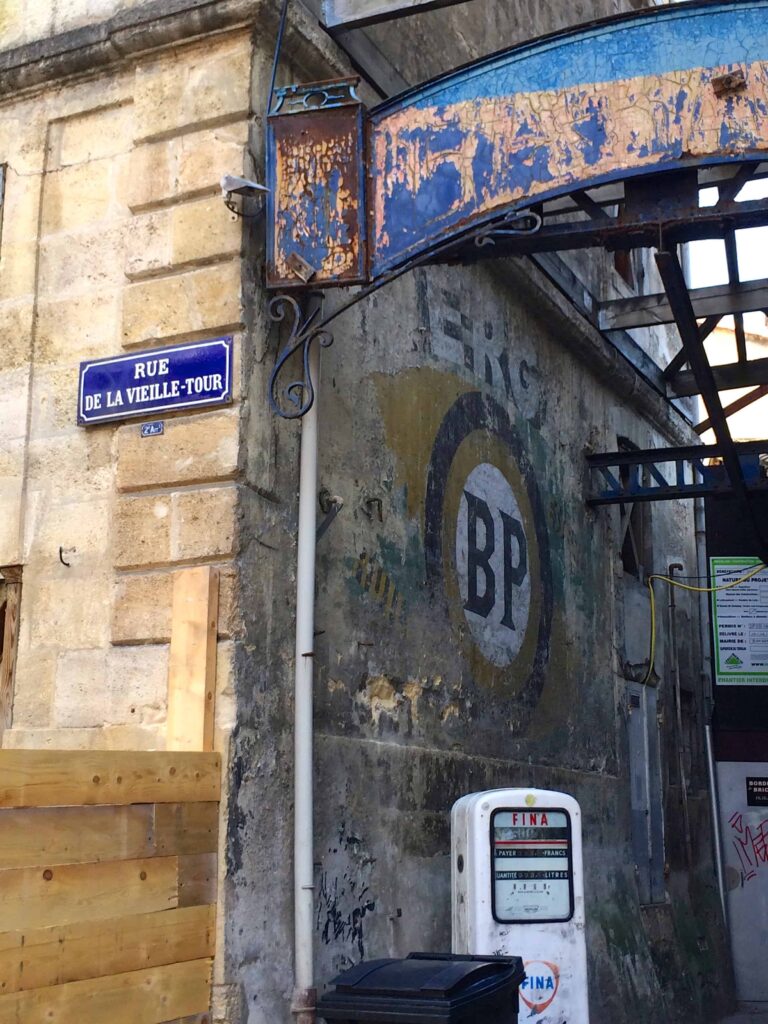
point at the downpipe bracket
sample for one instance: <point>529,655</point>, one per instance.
<point>304,1005</point>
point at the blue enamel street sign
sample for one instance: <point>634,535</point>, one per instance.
<point>152,429</point>
<point>156,380</point>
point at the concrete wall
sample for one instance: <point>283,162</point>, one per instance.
<point>412,709</point>
<point>114,238</point>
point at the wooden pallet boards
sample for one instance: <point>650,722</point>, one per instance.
<point>36,897</point>
<point>42,957</point>
<point>149,996</point>
<point>190,828</point>
<point>48,778</point>
<point>108,872</point>
<point>192,668</point>
<point>75,835</point>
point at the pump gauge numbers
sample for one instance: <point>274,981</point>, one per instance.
<point>531,865</point>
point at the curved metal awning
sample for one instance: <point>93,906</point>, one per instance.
<point>610,135</point>
<point>357,195</point>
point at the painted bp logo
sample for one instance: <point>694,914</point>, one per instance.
<point>487,549</point>
<point>492,564</point>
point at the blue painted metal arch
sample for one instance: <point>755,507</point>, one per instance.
<point>624,97</point>
<point>356,196</point>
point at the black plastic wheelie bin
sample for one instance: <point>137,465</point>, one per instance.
<point>427,988</point>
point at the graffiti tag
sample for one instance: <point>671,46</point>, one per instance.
<point>750,843</point>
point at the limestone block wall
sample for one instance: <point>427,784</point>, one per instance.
<point>23,21</point>
<point>115,238</point>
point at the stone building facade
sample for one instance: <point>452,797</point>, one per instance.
<point>117,121</point>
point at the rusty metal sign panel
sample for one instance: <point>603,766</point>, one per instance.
<point>660,90</point>
<point>316,203</point>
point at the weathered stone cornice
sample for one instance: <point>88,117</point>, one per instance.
<point>153,26</point>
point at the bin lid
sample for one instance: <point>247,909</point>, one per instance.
<point>423,986</point>
<point>427,975</point>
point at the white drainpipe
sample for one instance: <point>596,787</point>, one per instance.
<point>303,859</point>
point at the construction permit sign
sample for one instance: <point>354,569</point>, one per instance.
<point>740,623</point>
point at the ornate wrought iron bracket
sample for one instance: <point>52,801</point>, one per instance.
<point>525,222</point>
<point>295,398</point>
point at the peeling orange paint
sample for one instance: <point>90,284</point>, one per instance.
<point>316,201</point>
<point>540,142</point>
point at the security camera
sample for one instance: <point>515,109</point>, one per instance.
<point>232,185</point>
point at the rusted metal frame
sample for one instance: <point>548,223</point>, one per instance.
<point>741,403</point>
<point>294,399</point>
<point>678,361</point>
<point>674,283</point>
<point>714,301</point>
<point>561,275</point>
<point>353,14</point>
<point>716,176</point>
<point>592,208</point>
<point>727,376</point>
<point>642,233</point>
<point>728,190</point>
<point>745,214</point>
<point>661,203</point>
<point>665,207</point>
<point>732,260</point>
<point>332,109</point>
<point>625,488</point>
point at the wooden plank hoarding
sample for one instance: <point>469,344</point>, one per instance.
<point>192,670</point>
<point>49,778</point>
<point>109,911</point>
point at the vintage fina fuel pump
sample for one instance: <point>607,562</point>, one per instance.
<point>518,889</point>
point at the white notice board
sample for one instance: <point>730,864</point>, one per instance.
<point>740,623</point>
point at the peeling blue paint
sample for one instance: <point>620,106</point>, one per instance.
<point>679,38</point>
<point>543,119</point>
<point>620,99</point>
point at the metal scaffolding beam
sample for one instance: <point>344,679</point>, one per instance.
<point>679,300</point>
<point>718,300</point>
<point>753,373</point>
<point>662,474</point>
<point>741,403</point>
